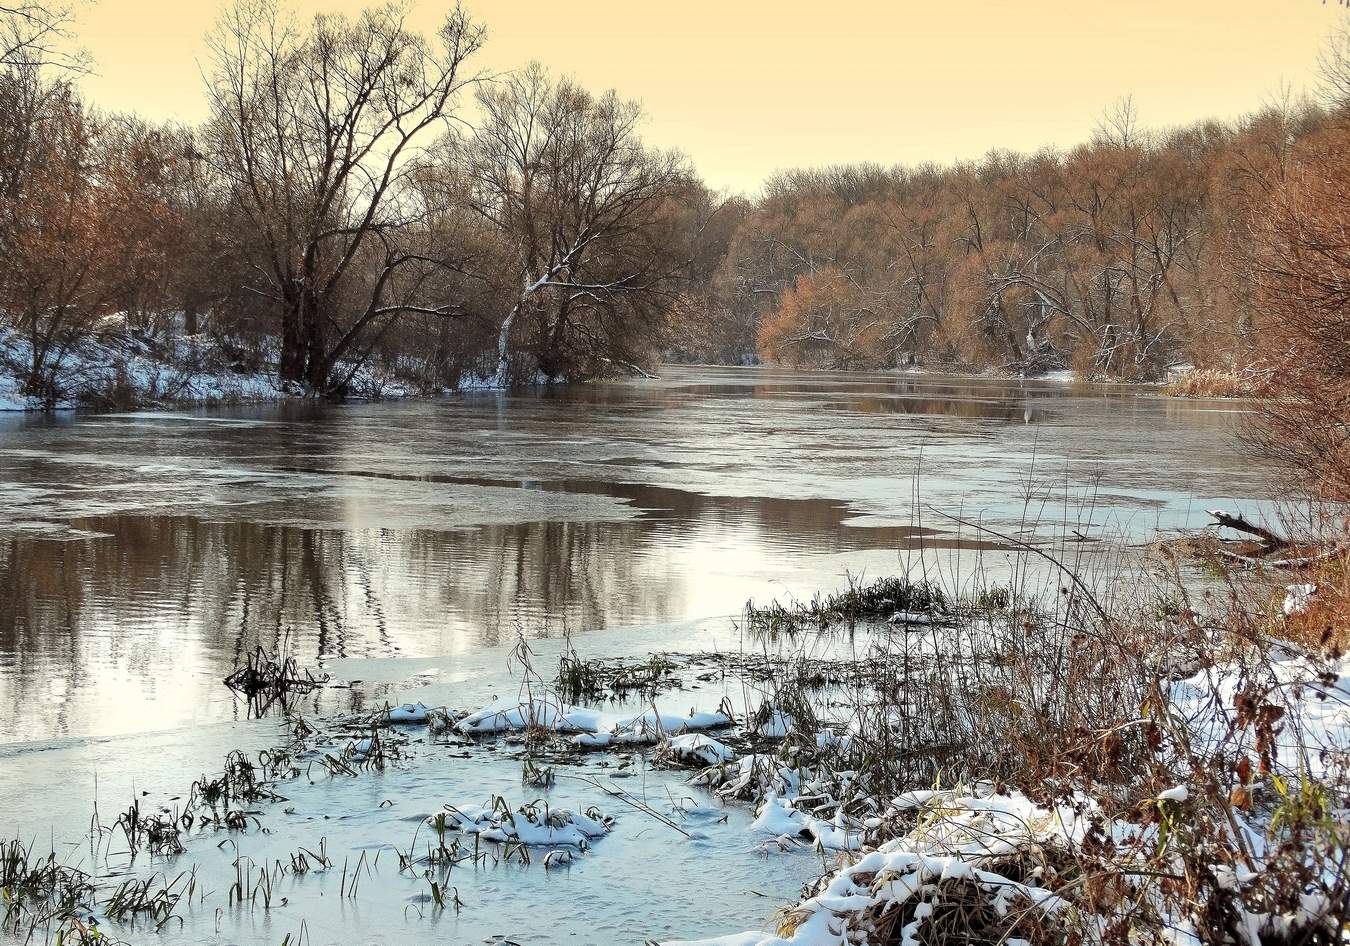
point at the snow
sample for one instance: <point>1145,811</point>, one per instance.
<point>531,825</point>
<point>777,726</point>
<point>11,399</point>
<point>698,749</point>
<point>597,728</point>
<point>410,713</point>
<point>962,836</point>
<point>781,818</point>
<point>116,363</point>
<point>957,843</point>
<point>1297,599</point>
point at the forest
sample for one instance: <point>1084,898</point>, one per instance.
<point>364,212</point>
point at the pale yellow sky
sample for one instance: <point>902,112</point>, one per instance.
<point>747,87</point>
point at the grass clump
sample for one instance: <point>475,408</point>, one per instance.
<point>40,894</point>
<point>592,680</point>
<point>859,603</point>
<point>269,680</point>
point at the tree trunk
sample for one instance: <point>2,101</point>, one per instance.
<point>551,359</point>
<point>503,355</point>
<point>316,356</point>
<point>291,366</point>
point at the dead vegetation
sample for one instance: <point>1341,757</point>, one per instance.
<point>1220,383</point>
<point>1178,734</point>
<point>595,680</point>
<point>860,603</point>
<point>269,680</point>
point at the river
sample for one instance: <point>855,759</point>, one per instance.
<point>404,547</point>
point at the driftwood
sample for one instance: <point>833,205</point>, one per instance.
<point>1272,542</point>
<point>1240,523</point>
<point>1305,561</point>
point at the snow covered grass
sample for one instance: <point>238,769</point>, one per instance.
<point>1152,768</point>
<point>695,749</point>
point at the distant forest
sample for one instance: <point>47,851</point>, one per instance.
<point>362,200</point>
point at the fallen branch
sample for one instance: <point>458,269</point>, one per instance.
<point>1305,561</point>
<point>1240,523</point>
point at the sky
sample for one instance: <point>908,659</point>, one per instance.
<point>748,87</point>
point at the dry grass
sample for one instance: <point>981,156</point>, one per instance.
<point>1325,625</point>
<point>1074,702</point>
<point>1220,382</point>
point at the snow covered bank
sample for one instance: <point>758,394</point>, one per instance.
<point>118,366</point>
<point>1156,775</point>
<point>985,866</point>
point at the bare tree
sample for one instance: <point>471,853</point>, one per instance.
<point>587,211</point>
<point>34,34</point>
<point>1334,63</point>
<point>317,133</point>
<point>1303,281</point>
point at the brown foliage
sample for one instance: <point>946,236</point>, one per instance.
<point>824,321</point>
<point>1120,258</point>
<point>1302,276</point>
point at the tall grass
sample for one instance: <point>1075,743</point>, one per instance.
<point>1075,697</point>
<point>1220,382</point>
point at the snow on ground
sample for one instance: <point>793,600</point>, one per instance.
<point>119,365</point>
<point>11,399</point>
<point>958,837</point>
<point>977,843</point>
<point>1297,598</point>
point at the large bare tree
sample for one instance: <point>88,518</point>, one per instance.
<point>589,216</point>
<point>318,132</point>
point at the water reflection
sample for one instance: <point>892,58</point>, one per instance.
<point>142,555</point>
<point>124,619</point>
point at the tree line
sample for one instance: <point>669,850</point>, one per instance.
<point>361,196</point>
<point>1118,258</point>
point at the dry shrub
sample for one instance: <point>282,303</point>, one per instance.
<point>1303,281</point>
<point>1081,706</point>
<point>825,320</point>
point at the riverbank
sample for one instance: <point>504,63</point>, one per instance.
<point>117,368</point>
<point>120,368</point>
<point>1166,768</point>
